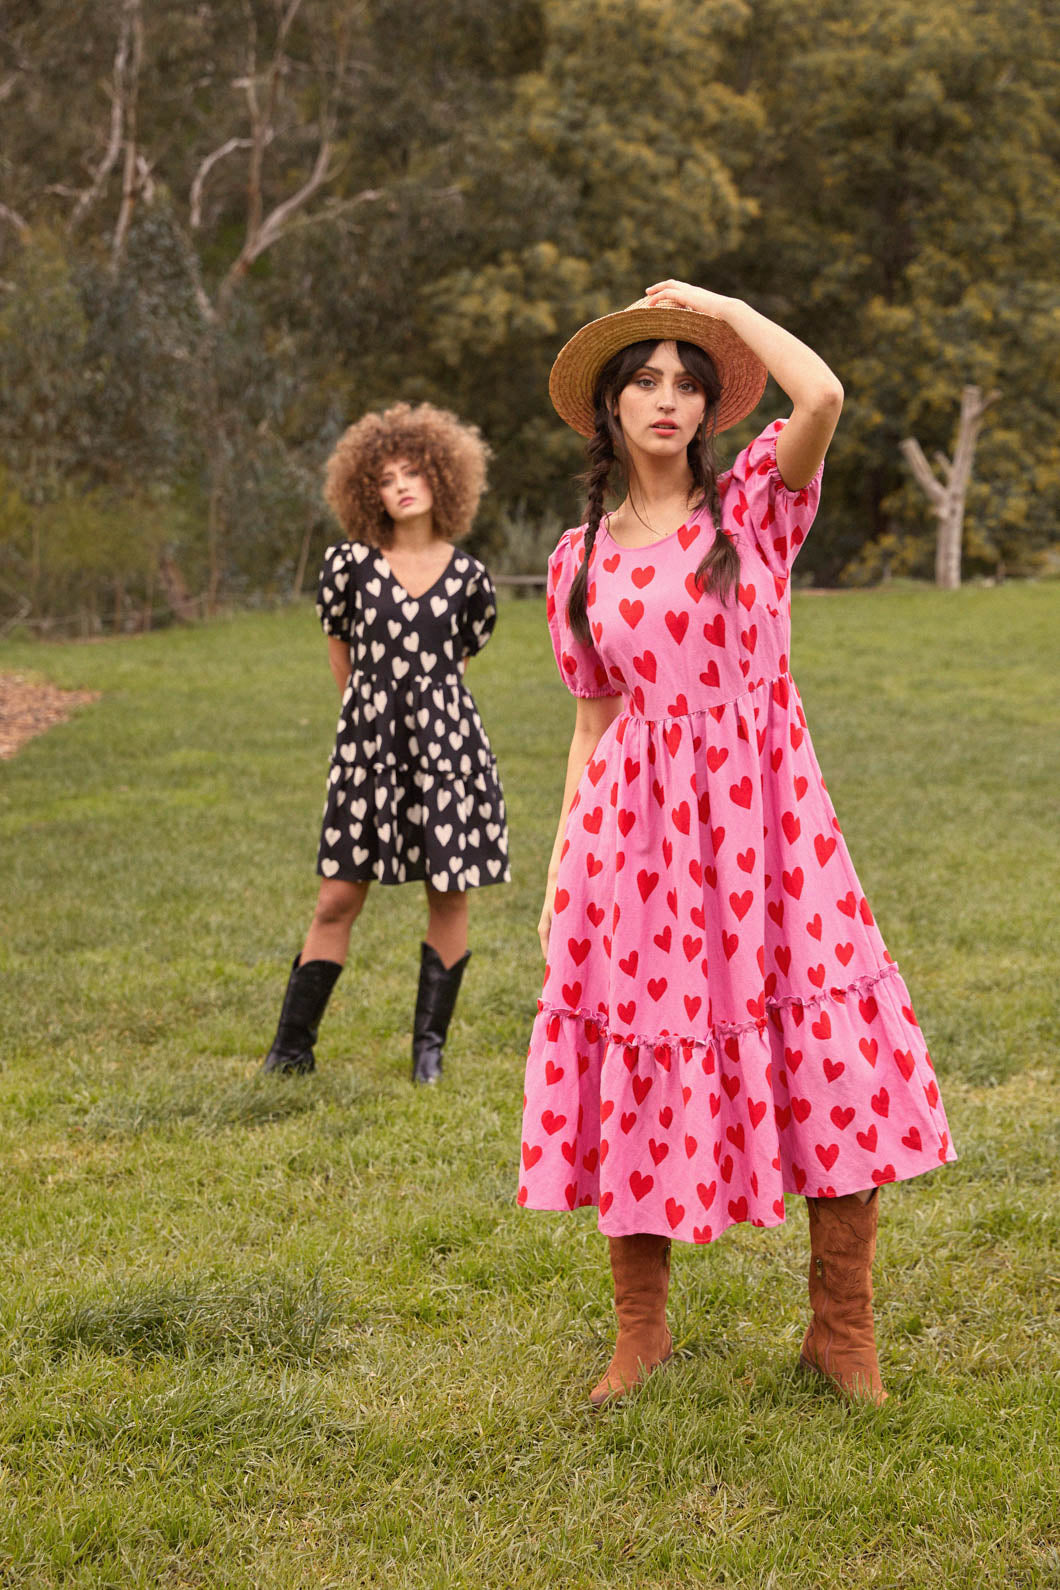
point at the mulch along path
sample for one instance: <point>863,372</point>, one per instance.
<point>28,707</point>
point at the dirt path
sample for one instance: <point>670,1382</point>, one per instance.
<point>28,707</point>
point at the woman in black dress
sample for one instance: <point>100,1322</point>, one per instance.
<point>413,792</point>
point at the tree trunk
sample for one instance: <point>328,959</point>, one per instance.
<point>947,496</point>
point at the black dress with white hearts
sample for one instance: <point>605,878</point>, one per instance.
<point>413,791</point>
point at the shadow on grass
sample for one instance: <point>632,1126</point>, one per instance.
<point>258,1101</point>
<point>281,1321</point>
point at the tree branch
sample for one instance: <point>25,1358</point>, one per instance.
<point>914,456</point>
<point>117,119</point>
<point>13,218</point>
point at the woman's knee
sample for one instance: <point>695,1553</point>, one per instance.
<point>338,901</point>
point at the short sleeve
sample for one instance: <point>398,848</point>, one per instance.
<point>580,667</point>
<point>756,502</point>
<point>479,612</point>
<point>335,592</point>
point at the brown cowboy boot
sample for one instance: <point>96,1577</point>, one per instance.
<point>640,1267</point>
<point>840,1343</point>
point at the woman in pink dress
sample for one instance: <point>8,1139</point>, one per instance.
<point>720,1022</point>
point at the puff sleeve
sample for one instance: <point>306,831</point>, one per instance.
<point>756,502</point>
<point>479,612</point>
<point>335,591</point>
<point>579,664</point>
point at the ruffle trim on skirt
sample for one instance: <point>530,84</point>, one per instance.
<point>684,1135</point>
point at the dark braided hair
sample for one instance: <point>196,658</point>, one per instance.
<point>720,569</point>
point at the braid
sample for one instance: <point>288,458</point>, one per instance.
<point>720,569</point>
<point>596,480</point>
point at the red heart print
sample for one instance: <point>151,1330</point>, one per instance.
<point>628,1121</point>
<point>606,1201</point>
<point>905,1062</point>
<point>782,955</point>
<point>692,1004</point>
<point>569,1152</point>
<point>747,596</point>
<point>735,1135</point>
<point>656,987</point>
<point>886,1174</point>
<point>531,1155</point>
<point>646,882</point>
<point>815,927</point>
<point>627,1011</point>
<point>800,1108</point>
<point>731,1083</point>
<point>881,1102</point>
<point>643,577</point>
<point>552,1123</point>
<point>824,848</point>
<point>595,913</point>
<point>714,630</point>
<point>642,1087</point>
<point>663,939</point>
<point>628,963</point>
<point>677,624</point>
<point>687,534</point>
<point>553,1073</point>
<point>640,1186</point>
<point>912,1140</point>
<point>756,1109</point>
<point>844,952</point>
<point>730,943</point>
<point>848,904</point>
<point>801,785</point>
<point>646,666</point>
<point>800,1176</point>
<point>741,793</point>
<point>827,1154</point>
<point>822,1028</point>
<point>711,678</point>
<point>833,1068</point>
<point>741,903</point>
<point>626,821</point>
<point>560,900</point>
<point>869,1049</point>
<point>738,1209</point>
<point>632,612</point>
<point>572,993</point>
<point>776,911</point>
<point>675,1213</point>
<point>579,949</point>
<point>842,1118</point>
<point>682,817</point>
<point>867,1140</point>
<point>793,882</point>
<point>792,827</point>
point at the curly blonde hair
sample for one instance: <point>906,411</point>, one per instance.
<point>451,455</point>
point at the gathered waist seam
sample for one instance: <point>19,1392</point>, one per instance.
<point>698,712</point>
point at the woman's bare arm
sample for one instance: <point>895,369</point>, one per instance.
<point>816,393</point>
<point>594,716</point>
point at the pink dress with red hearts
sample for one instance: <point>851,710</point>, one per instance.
<point>720,1022</point>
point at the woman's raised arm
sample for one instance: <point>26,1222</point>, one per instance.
<point>815,391</point>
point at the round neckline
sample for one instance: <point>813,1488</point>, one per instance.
<point>649,546</point>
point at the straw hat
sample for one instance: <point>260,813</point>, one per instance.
<point>579,362</point>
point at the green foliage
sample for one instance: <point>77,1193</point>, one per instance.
<point>883,182</point>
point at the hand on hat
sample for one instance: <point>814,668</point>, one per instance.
<point>682,295</point>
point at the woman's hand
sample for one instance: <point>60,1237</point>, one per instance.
<point>545,924</point>
<point>673,294</point>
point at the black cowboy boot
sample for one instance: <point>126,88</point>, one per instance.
<point>435,1002</point>
<point>308,991</point>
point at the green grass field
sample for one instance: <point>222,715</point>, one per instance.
<point>287,1333</point>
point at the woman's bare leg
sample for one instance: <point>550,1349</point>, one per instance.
<point>337,909</point>
<point>447,924</point>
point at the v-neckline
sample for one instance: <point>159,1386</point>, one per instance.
<point>433,586</point>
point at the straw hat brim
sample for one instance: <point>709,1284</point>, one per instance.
<point>579,362</point>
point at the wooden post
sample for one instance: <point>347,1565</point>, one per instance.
<point>947,496</point>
